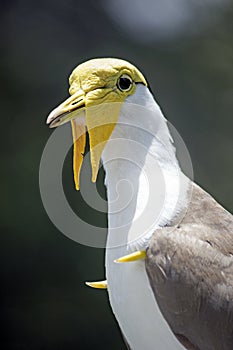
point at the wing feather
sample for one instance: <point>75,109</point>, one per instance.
<point>190,268</point>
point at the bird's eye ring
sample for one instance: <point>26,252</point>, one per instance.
<point>124,83</point>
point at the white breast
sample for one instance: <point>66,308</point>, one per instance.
<point>142,179</point>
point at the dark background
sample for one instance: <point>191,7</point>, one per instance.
<point>45,304</point>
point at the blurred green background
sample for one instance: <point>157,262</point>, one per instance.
<point>186,53</point>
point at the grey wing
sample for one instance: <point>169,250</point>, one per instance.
<point>190,268</point>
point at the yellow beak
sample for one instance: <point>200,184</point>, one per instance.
<point>97,117</point>
<point>69,110</point>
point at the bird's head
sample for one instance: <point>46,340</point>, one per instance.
<point>98,87</point>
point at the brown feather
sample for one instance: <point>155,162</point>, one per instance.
<point>190,268</point>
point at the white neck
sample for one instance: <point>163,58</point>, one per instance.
<point>143,188</point>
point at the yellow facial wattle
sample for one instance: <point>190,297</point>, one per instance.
<point>98,87</point>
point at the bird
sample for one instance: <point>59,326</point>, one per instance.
<point>169,250</point>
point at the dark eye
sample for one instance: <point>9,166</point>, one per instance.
<point>124,83</point>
